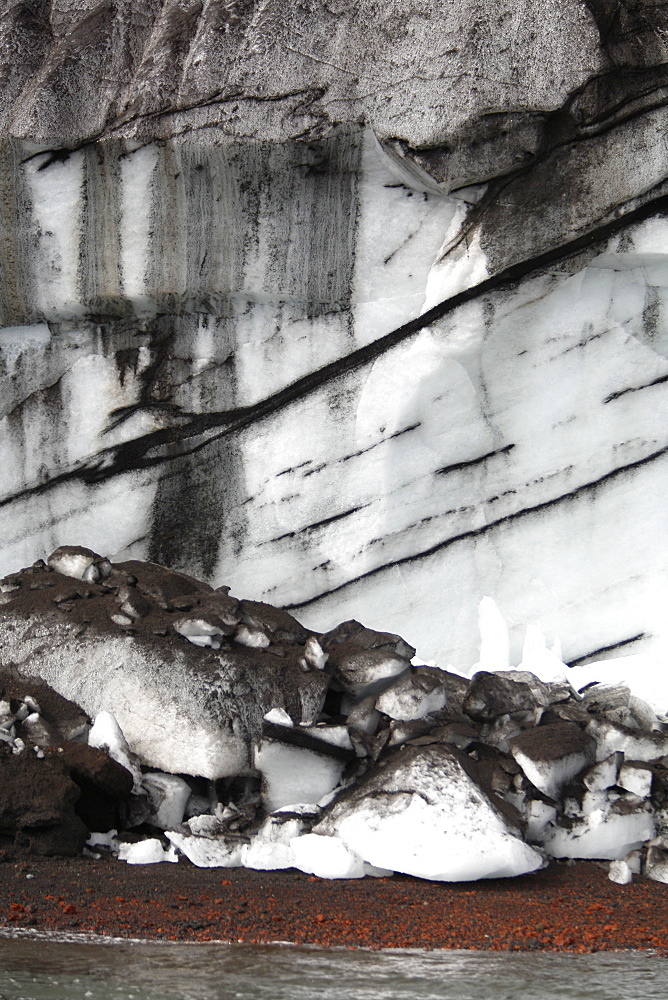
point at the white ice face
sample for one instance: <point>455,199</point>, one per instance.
<point>293,776</point>
<point>168,795</point>
<point>512,449</point>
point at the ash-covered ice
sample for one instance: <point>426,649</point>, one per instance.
<point>143,713</point>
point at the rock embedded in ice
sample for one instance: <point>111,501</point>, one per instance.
<point>551,755</point>
<point>424,813</point>
<point>168,795</point>
<point>146,852</point>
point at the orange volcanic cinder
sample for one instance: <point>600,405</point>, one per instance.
<point>566,907</point>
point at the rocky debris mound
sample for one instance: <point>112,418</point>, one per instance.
<point>228,733</point>
<point>187,671</point>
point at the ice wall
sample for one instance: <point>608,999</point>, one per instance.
<point>370,336</point>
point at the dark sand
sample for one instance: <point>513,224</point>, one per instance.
<point>567,907</point>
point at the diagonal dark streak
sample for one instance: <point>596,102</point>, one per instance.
<point>477,532</point>
<point>139,453</point>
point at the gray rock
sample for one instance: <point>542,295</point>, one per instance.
<point>490,695</point>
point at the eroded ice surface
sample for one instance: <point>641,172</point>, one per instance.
<point>492,452</point>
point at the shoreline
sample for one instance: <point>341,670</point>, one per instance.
<point>563,908</point>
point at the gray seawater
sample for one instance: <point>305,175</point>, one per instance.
<point>39,969</point>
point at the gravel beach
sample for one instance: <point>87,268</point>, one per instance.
<point>566,907</point>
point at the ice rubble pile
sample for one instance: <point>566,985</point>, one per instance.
<point>332,753</point>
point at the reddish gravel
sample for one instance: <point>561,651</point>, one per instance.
<point>564,908</point>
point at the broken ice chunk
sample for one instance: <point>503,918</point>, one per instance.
<point>604,774</point>
<point>146,852</point>
<point>274,622</point>
<point>491,695</point>
<point>292,775</point>
<point>635,745</point>
<point>221,851</point>
<point>197,805</point>
<point>538,815</point>
<point>314,654</point>
<point>366,638</point>
<point>537,658</point>
<point>253,638</point>
<point>80,563</point>
<point>620,873</point>
<point>335,736</point>
<point>326,857</point>
<point>121,620</point>
<point>414,695</point>
<point>636,778</point>
<point>424,812</point>
<point>604,834</point>
<point>108,840</point>
<point>132,602</point>
<point>552,755</point>
<point>362,715</point>
<point>167,795</point>
<point>494,638</point>
<point>200,631</point>
<point>362,672</point>
<point>279,717</point>
<point>270,848</point>
<point>656,864</point>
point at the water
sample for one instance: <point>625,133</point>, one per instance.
<point>38,969</point>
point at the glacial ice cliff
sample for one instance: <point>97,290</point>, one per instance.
<point>350,305</point>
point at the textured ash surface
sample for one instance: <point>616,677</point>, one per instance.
<point>565,908</point>
<point>210,702</point>
<point>224,323</point>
